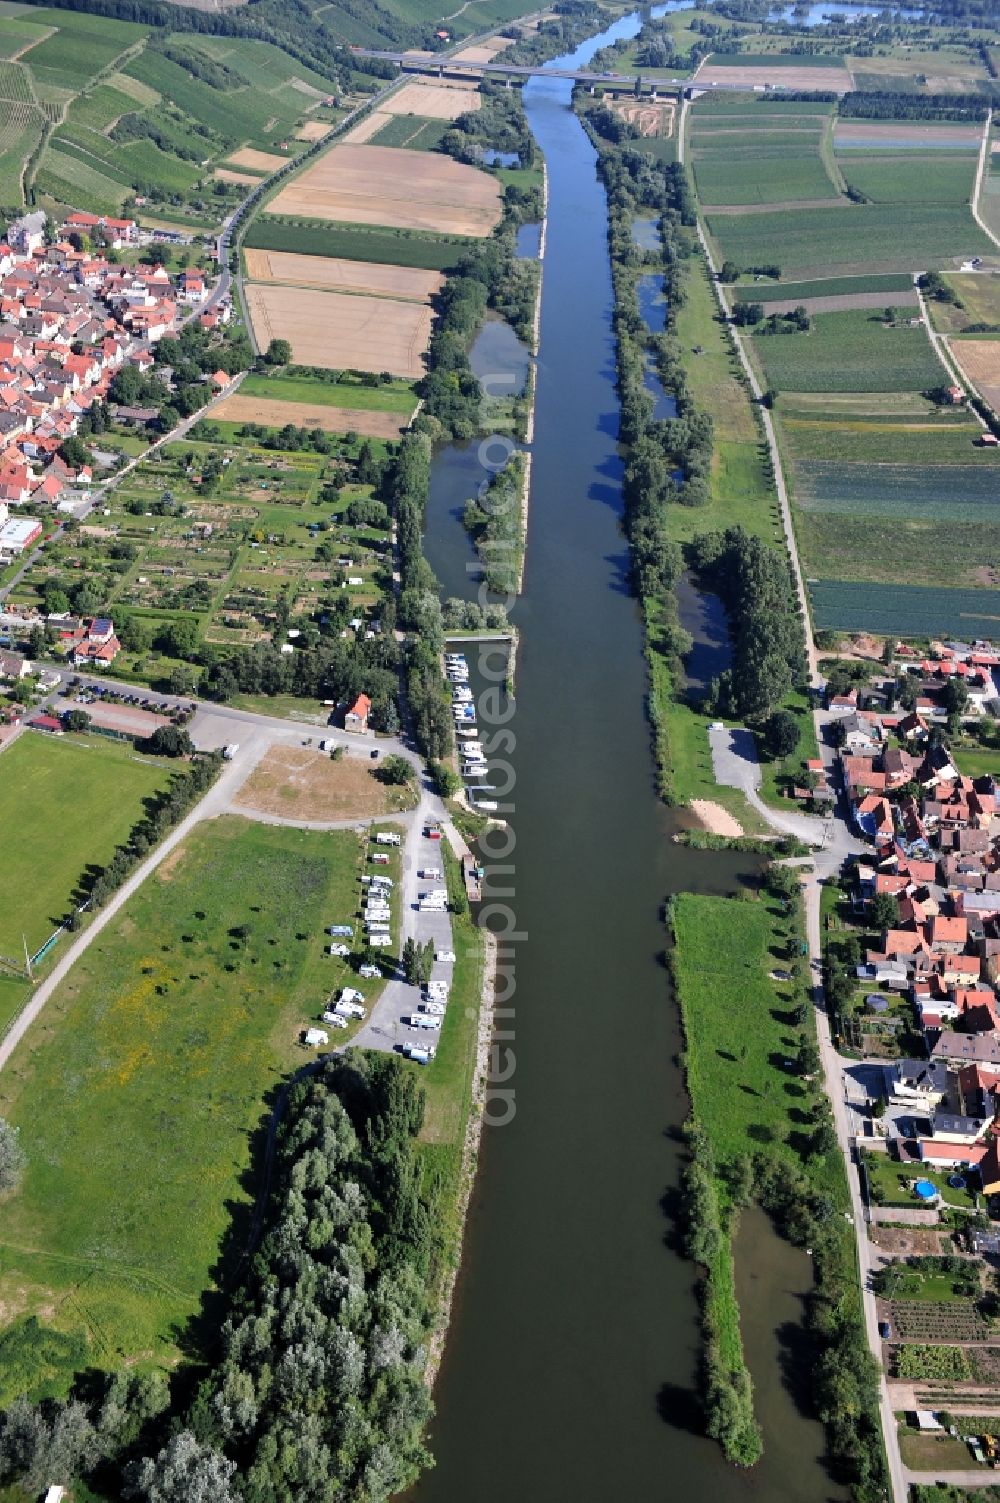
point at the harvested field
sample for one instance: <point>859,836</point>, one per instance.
<point>648,119</point>
<point>313,130</point>
<point>275,414</point>
<point>484,53</point>
<point>299,782</point>
<point>339,331</point>
<point>829,80</point>
<point>257,161</point>
<point>335,275</point>
<point>432,101</point>
<point>838,303</point>
<point>979,360</point>
<point>242,179</point>
<point>366,128</point>
<point>354,184</point>
<point>898,134</point>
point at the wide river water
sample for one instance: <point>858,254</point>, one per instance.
<point>572,1357</point>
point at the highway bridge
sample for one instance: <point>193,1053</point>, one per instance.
<point>440,66</point>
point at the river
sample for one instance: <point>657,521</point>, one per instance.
<point>571,1361</point>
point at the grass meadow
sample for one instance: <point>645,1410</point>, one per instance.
<point>156,1059</point>
<point>355,243</point>
<point>393,396</point>
<point>65,803</point>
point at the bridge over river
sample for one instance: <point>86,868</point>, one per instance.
<point>443,66</point>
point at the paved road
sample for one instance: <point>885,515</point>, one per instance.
<point>977,188</point>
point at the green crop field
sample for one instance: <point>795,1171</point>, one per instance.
<point>851,351</point>
<point>395,396</point>
<point>412,131</point>
<point>953,493</point>
<point>904,610</point>
<point>872,237</point>
<point>97,789</point>
<point>726,177</point>
<point>155,1063</point>
<point>389,247</point>
<point>783,292</point>
<point>884,546</point>
<point>911,177</point>
<point>755,107</point>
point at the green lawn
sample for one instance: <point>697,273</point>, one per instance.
<point>64,804</point>
<point>888,1176</point>
<point>781,772</point>
<point>155,1061</point>
<point>976,761</point>
<point>394,396</point>
<point>740,1090</point>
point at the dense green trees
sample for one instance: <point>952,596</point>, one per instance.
<point>756,587</point>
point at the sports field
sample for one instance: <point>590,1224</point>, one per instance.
<point>65,804</point>
<point>334,275</point>
<point>155,1060</point>
<point>338,331</point>
<point>380,185</point>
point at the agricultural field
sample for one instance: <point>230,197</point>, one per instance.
<point>910,177</point>
<point>871,238</point>
<point>98,789</point>
<point>817,72</point>
<point>347,391</point>
<point>979,296</point>
<point>855,351</point>
<point>884,548</point>
<point>357,243</point>
<point>273,412</point>
<point>769,159</point>
<point>378,280</point>
<point>766,292</point>
<point>979,360</point>
<point>380,186</point>
<point>905,610</point>
<point>162,1047</point>
<point>436,101</point>
<point>272,525</point>
<point>137,111</point>
<point>336,330</point>
<point>410,131</point>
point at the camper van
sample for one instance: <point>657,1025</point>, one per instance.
<point>423,1020</point>
<point>387,837</point>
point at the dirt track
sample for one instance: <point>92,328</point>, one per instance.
<point>340,331</point>
<point>354,184</point>
<point>334,275</point>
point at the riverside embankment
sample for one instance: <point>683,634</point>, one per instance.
<point>572,1362</point>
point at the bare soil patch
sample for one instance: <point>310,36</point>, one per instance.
<point>484,53</point>
<point>717,210</point>
<point>339,331</point>
<point>714,818</point>
<point>919,135</point>
<point>263,161</point>
<point>649,119</point>
<point>275,414</point>
<point>300,782</point>
<point>242,179</point>
<point>905,299</point>
<point>335,275</point>
<point>432,101</point>
<point>356,184</point>
<point>979,360</point>
<point>366,128</point>
<point>829,80</point>
<point>313,130</point>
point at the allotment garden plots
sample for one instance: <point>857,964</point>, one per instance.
<point>209,536</point>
